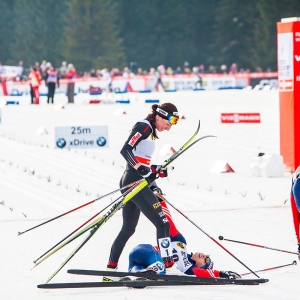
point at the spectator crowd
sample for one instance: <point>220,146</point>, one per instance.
<point>51,76</point>
<point>64,71</point>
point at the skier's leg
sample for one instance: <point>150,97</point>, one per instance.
<point>295,205</point>
<point>151,208</point>
<point>131,215</point>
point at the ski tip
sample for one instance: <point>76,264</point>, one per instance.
<point>263,280</point>
<point>294,262</point>
<point>252,281</point>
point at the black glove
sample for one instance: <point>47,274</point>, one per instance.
<point>153,173</point>
<point>147,173</point>
<point>162,172</point>
<point>229,275</point>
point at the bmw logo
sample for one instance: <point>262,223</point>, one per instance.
<point>165,243</point>
<point>101,141</point>
<point>60,143</point>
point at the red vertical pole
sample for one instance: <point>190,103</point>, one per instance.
<point>296,38</point>
<point>289,91</point>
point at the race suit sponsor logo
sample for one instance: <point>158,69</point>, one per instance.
<point>134,139</point>
<point>156,205</point>
<point>180,245</point>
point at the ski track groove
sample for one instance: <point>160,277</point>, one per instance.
<point>35,194</point>
<point>66,164</point>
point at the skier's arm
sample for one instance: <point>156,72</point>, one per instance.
<point>174,232</point>
<point>180,253</point>
<point>140,131</point>
<point>203,273</point>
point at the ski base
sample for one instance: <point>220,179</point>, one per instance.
<point>141,280</point>
<point>147,283</point>
<point>167,277</point>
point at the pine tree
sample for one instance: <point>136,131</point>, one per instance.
<point>38,26</point>
<point>6,31</point>
<point>167,32</point>
<point>263,51</point>
<point>200,20</point>
<point>233,32</point>
<point>92,35</point>
<point>245,32</point>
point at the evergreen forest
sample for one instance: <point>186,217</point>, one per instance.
<point>146,33</point>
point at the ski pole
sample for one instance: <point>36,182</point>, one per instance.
<point>36,261</point>
<point>249,244</point>
<point>92,232</point>
<point>55,248</point>
<point>211,237</point>
<point>72,254</point>
<point>270,269</point>
<point>81,206</point>
<point>102,220</point>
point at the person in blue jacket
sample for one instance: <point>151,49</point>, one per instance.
<point>295,204</point>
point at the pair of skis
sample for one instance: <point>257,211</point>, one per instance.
<point>100,221</point>
<point>141,280</point>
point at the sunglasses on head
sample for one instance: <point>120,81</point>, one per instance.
<point>165,115</point>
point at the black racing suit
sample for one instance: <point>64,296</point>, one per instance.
<point>145,201</point>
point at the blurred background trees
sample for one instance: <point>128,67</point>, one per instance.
<point>36,33</point>
<point>92,34</point>
<point>115,33</point>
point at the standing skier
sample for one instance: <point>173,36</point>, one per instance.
<point>295,204</point>
<point>137,151</point>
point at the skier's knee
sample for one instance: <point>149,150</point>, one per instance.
<point>128,232</point>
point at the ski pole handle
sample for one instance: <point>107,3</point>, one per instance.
<point>170,168</point>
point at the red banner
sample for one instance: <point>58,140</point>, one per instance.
<point>240,118</point>
<point>288,57</point>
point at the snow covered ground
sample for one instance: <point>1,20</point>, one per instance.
<point>39,182</point>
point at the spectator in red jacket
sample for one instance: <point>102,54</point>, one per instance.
<point>34,82</point>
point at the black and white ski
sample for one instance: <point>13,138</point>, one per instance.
<point>146,283</point>
<point>167,277</point>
